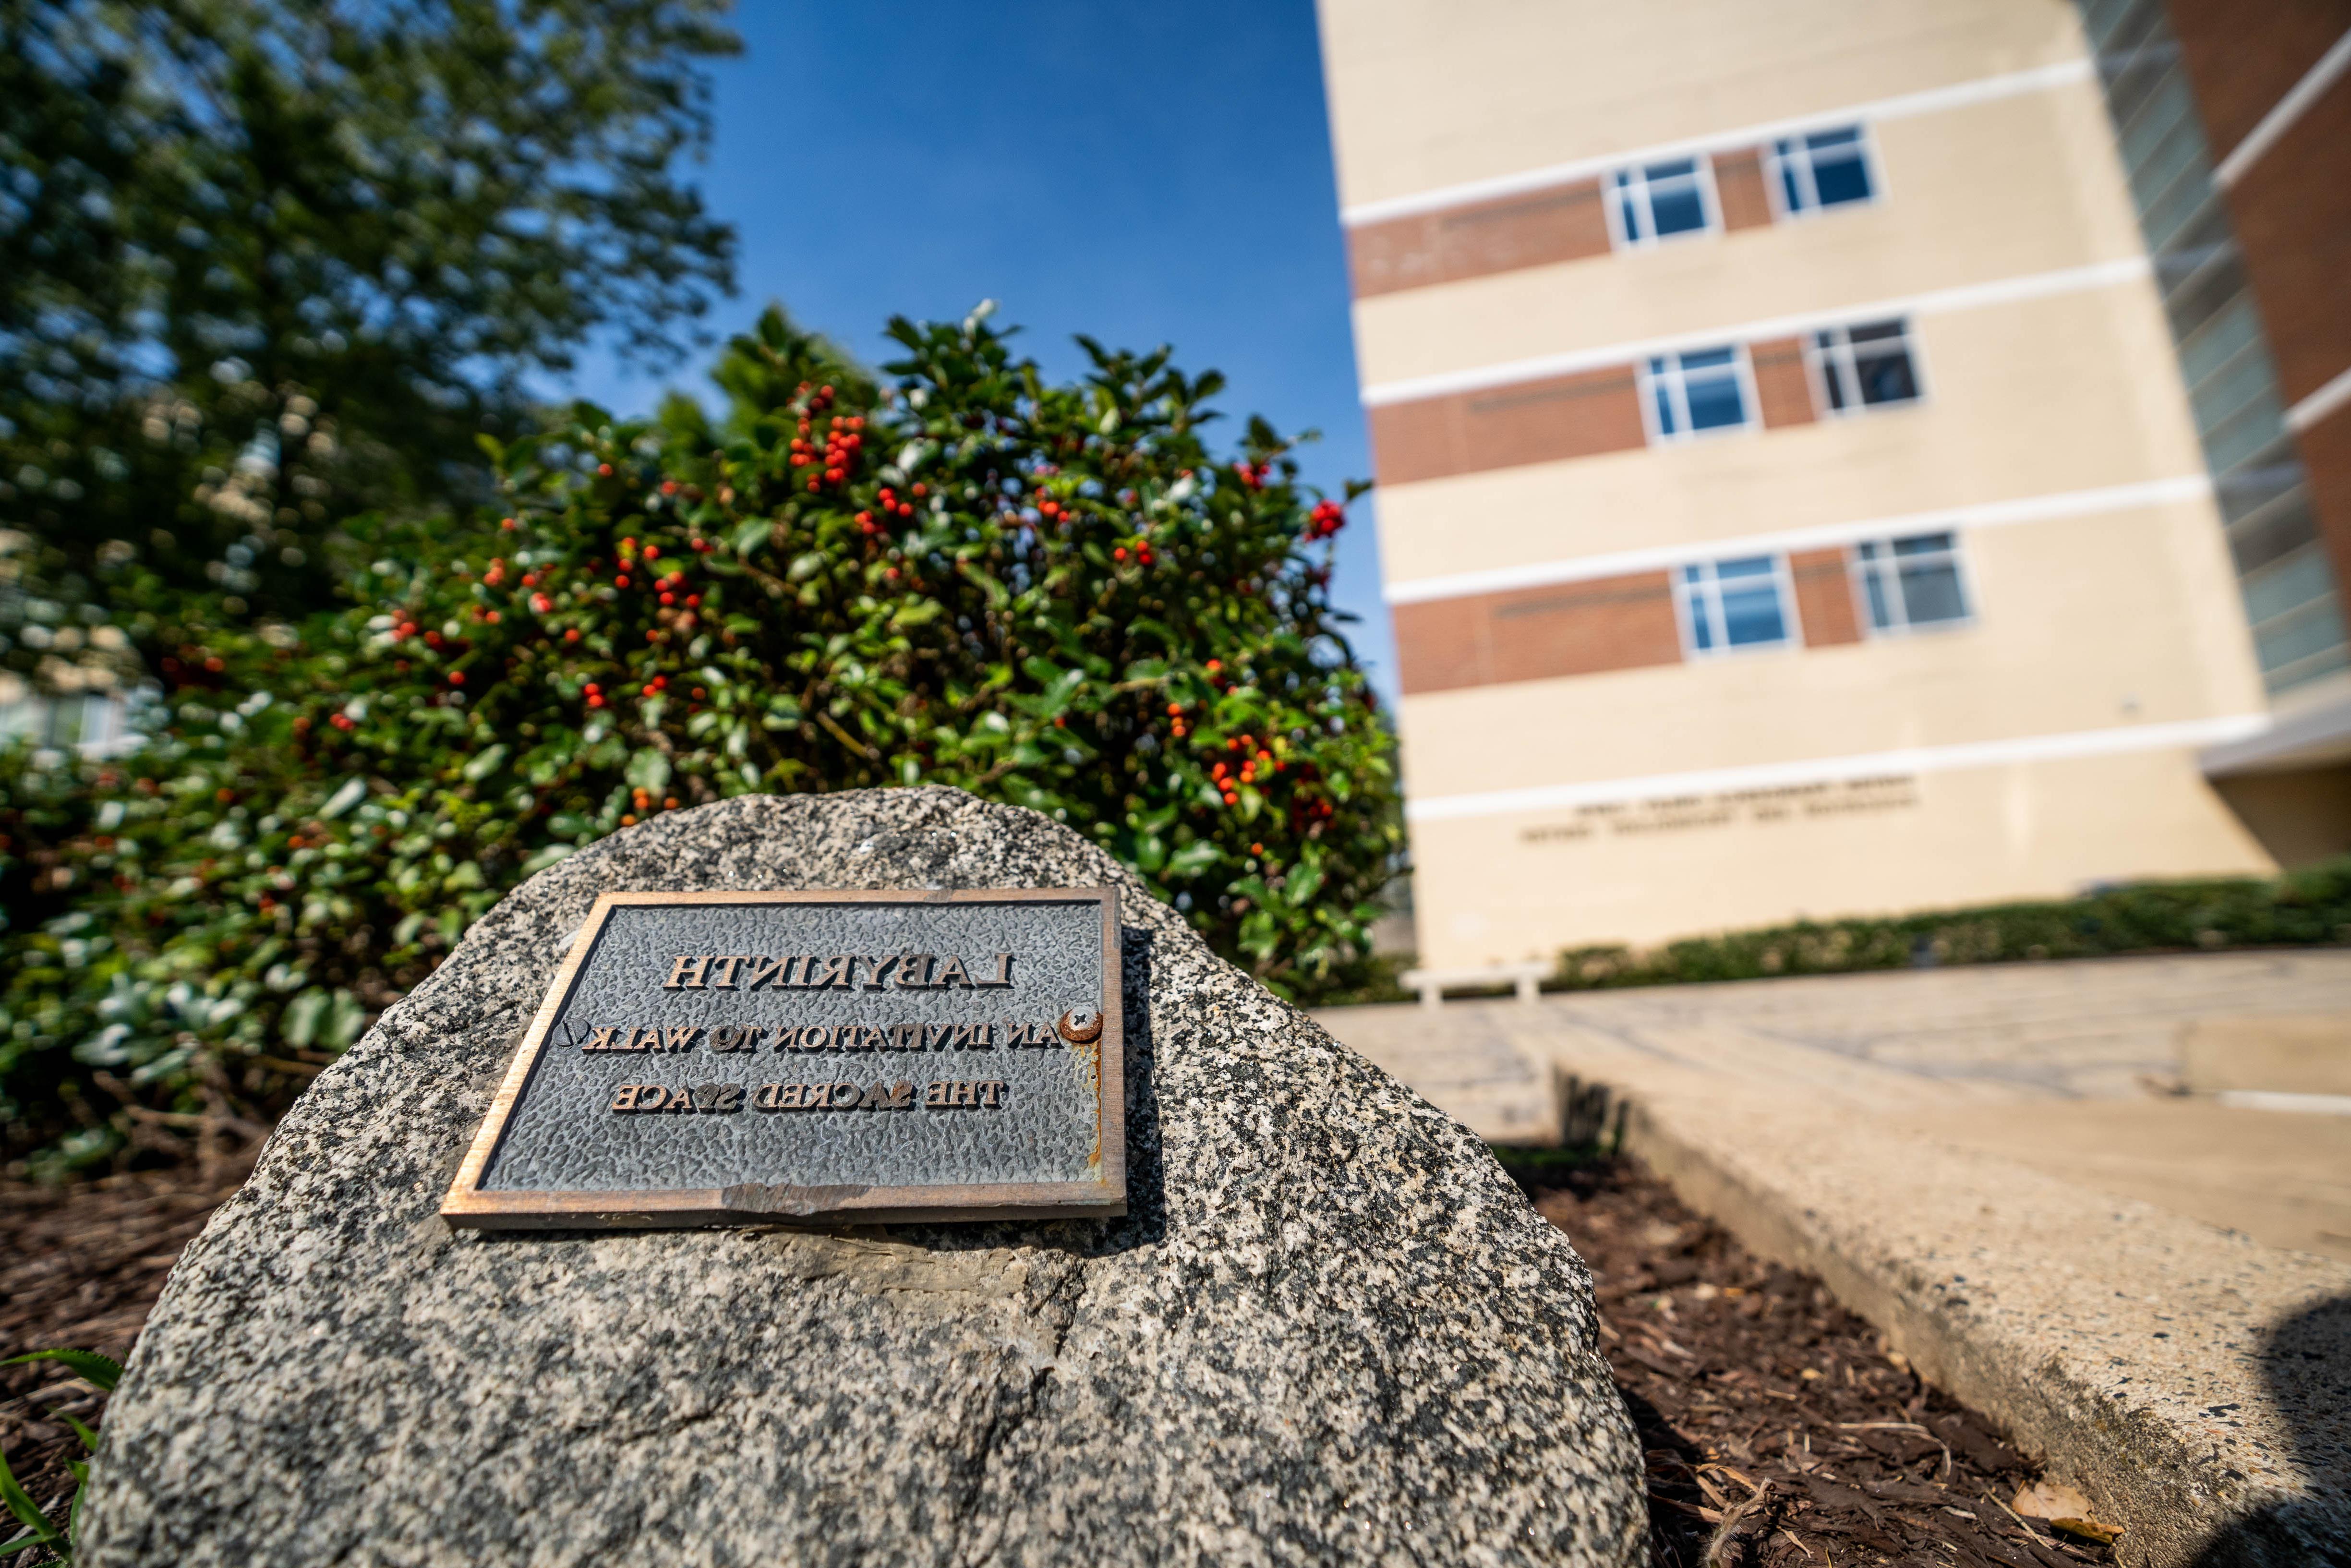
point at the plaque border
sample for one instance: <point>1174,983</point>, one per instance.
<point>754,1203</point>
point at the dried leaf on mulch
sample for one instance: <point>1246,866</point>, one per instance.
<point>1743,1376</point>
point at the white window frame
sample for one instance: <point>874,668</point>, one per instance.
<point>1817,372</point>
<point>1710,203</point>
<point>1856,581</point>
<point>1867,143</point>
<point>1783,583</point>
<point>1644,383</point>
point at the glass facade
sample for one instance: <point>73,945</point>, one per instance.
<point>2288,588</point>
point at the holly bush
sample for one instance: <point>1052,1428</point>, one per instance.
<point>1050,594</point>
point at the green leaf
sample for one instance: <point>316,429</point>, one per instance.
<point>485,762</point>
<point>649,771</point>
<point>299,1022</point>
<point>351,792</point>
<point>345,1018</point>
<point>35,1521</point>
<point>1193,859</point>
<point>102,1371</point>
<point>1150,853</point>
<point>922,613</point>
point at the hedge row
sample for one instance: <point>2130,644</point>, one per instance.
<point>2306,908</point>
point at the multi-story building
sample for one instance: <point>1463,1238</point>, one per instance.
<point>1803,490</point>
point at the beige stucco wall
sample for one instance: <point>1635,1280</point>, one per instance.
<point>2087,625</point>
<point>1486,892</point>
<point>1991,192</point>
<point>2073,391</point>
<point>2081,623</point>
<point>1424,96</point>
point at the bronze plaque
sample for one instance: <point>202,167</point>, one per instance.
<point>750,1058</point>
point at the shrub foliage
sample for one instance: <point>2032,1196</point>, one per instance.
<point>2307,907</point>
<point>1049,594</point>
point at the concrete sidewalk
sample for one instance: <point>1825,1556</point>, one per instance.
<point>1972,1159</point>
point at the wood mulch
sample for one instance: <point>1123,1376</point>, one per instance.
<point>79,1267</point>
<point>1778,1430</point>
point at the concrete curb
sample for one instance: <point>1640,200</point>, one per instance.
<point>2194,1384</point>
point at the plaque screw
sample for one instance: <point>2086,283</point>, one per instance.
<point>1081,1026</point>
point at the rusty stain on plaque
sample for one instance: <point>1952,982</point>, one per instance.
<point>751,1058</point>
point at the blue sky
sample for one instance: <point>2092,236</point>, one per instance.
<point>1144,174</point>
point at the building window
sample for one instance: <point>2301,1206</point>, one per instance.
<point>1656,200</point>
<point>1865,366</point>
<point>1910,583</point>
<point>1826,169</point>
<point>1706,390</point>
<point>1739,603</point>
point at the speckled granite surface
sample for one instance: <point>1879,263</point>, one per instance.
<point>1328,1330</point>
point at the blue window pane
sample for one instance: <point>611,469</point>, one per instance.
<point>1841,178</point>
<point>1746,566</point>
<point>1917,544</point>
<point>1751,614</point>
<point>1714,399</point>
<point>1931,592</point>
<point>1881,614</point>
<point>1628,210</point>
<point>1886,378</point>
<point>1789,190</point>
<point>1693,574</point>
<point>1666,425</point>
<point>1701,630</point>
<point>1703,358</point>
<point>1677,208</point>
<point>1823,141</point>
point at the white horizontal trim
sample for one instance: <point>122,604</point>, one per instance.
<point>1823,535</point>
<point>1932,101</point>
<point>2320,404</point>
<point>2279,119</point>
<point>1968,296</point>
<point>2282,1100</point>
<point>1912,759</point>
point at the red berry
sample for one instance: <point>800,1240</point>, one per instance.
<point>456,677</point>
